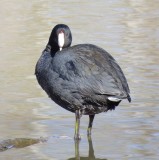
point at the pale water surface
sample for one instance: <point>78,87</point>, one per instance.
<point>129,30</point>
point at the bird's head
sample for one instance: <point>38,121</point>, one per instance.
<point>60,37</point>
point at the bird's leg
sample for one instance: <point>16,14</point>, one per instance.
<point>77,125</point>
<point>91,118</point>
<point>77,155</point>
<point>91,150</point>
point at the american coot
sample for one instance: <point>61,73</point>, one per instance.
<point>84,79</point>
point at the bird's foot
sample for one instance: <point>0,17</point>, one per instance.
<point>77,137</point>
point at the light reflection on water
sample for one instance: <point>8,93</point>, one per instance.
<point>129,30</point>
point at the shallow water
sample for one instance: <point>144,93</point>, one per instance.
<point>129,30</point>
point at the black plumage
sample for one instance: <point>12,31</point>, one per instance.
<point>84,78</point>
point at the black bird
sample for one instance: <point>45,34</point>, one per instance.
<point>84,79</point>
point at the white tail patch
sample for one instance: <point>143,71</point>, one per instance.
<point>61,40</point>
<point>114,99</point>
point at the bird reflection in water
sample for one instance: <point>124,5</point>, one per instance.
<point>90,156</point>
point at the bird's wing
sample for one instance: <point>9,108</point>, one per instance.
<point>86,71</point>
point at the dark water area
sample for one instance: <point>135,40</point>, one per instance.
<point>129,30</point>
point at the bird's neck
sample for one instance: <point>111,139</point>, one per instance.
<point>52,49</point>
